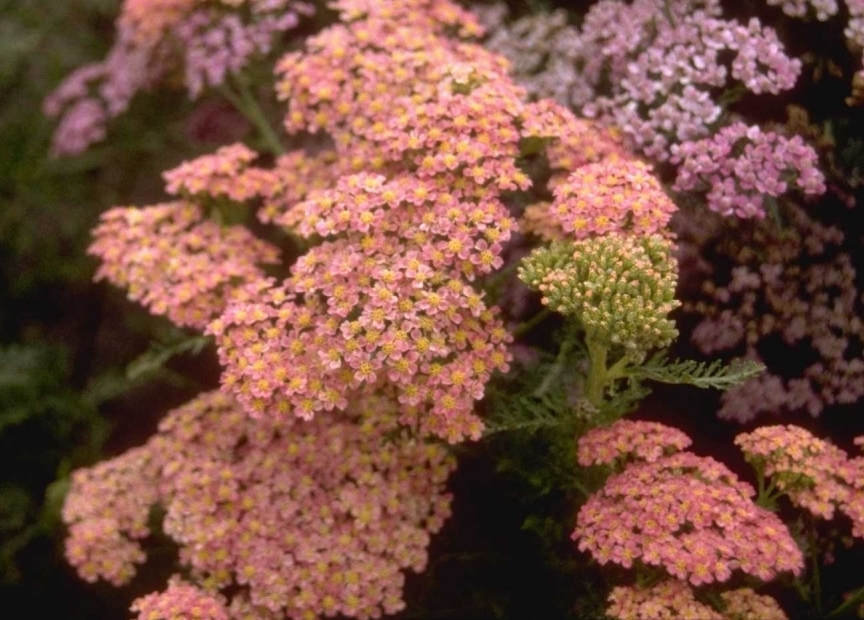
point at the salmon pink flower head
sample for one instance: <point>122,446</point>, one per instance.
<point>290,518</point>
<point>675,599</point>
<point>383,299</point>
<point>671,598</point>
<point>180,600</point>
<point>689,515</point>
<point>614,195</point>
<point>629,440</point>
<point>176,262</point>
<point>811,471</point>
<point>224,174</point>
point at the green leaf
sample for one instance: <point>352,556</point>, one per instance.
<point>716,374</point>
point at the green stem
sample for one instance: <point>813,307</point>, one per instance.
<point>247,105</point>
<point>527,326</point>
<point>618,369</point>
<point>557,368</point>
<point>597,371</point>
<point>853,599</point>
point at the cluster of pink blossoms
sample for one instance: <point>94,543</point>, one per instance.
<point>288,519</point>
<point>213,40</point>
<point>740,166</point>
<point>629,440</point>
<point>178,601</point>
<point>223,174</point>
<point>385,300</point>
<point>612,196</point>
<point>675,599</point>
<point>386,297</point>
<point>813,473</point>
<point>175,261</point>
<point>689,515</point>
<point>651,69</point>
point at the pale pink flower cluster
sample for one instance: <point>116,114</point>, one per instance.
<point>223,174</point>
<point>689,515</point>
<point>854,507</point>
<point>395,97</point>
<point>811,471</point>
<point>660,63</point>
<point>671,598</point>
<point>741,165</point>
<point>155,38</point>
<point>385,299</point>
<point>435,128</point>
<point>289,519</point>
<point>176,262</point>
<point>745,604</point>
<point>794,283</point>
<point>612,196</point>
<point>178,602</point>
<point>629,440</point>
<point>106,511</point>
<point>651,69</point>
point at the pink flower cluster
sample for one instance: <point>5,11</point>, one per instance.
<point>179,601</point>
<point>660,63</point>
<point>739,166</point>
<point>675,599</point>
<point>651,69</point>
<point>385,299</point>
<point>629,440</point>
<point>796,284</point>
<point>396,97</point>
<point>612,196</point>
<point>289,519</point>
<point>689,515</point>
<point>671,598</point>
<point>811,471</point>
<point>176,262</point>
<point>223,174</point>
<point>212,40</point>
<point>106,510</point>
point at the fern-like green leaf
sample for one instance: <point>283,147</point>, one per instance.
<point>716,374</point>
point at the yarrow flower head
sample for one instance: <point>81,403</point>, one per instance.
<point>671,598</point>
<point>385,299</point>
<point>176,262</point>
<point>621,288</point>
<point>180,600</point>
<point>689,515</point>
<point>811,471</point>
<point>745,604</point>
<point>223,174</point>
<point>629,440</point>
<point>611,196</point>
<point>108,519</point>
<point>739,166</point>
<point>286,519</point>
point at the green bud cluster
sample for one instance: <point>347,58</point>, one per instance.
<point>621,288</point>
